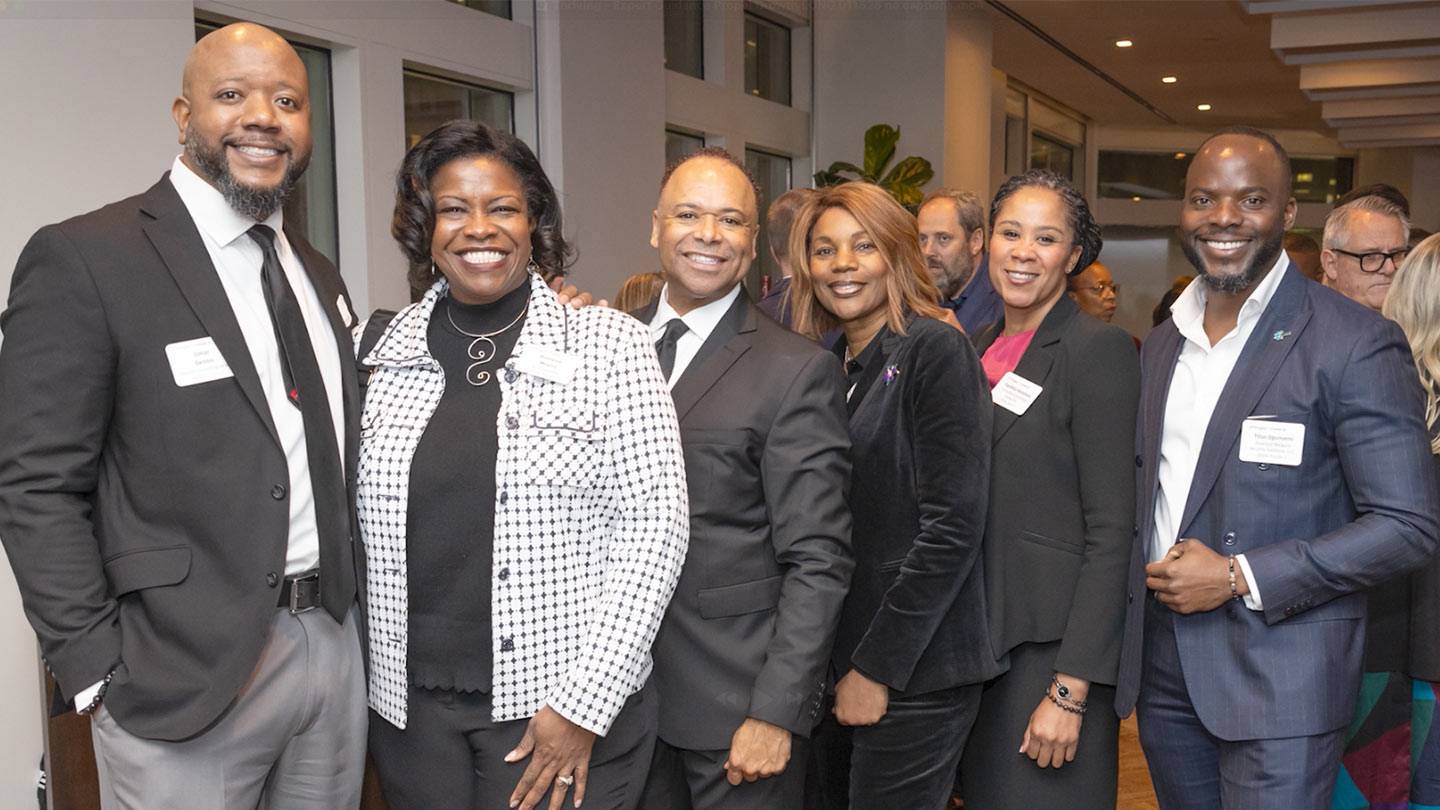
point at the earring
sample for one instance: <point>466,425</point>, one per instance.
<point>532,267</point>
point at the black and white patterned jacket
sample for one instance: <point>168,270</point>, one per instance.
<point>591,511</point>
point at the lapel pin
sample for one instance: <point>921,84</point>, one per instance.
<point>1279,335</point>
<point>891,372</point>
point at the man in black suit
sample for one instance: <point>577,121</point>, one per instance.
<point>740,660</point>
<point>176,436</point>
<point>778,219</point>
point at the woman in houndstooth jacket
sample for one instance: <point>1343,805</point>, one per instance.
<point>521,498</point>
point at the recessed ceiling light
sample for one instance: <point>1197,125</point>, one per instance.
<point>1202,107</point>
<point>1179,155</point>
<point>1123,43</point>
<point>1136,199</point>
<point>1168,79</point>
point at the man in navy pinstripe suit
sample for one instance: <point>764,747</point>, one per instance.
<point>1282,468</point>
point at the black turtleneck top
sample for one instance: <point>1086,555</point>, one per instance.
<point>451,520</point>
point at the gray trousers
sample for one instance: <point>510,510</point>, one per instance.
<point>294,737</point>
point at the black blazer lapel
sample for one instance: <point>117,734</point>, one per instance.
<point>1035,364</point>
<point>176,239</point>
<point>1285,317</point>
<point>727,342</point>
<point>1157,363</point>
<point>889,347</point>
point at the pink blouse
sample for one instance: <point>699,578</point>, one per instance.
<point>1004,354</point>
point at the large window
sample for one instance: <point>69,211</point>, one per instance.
<point>773,172</point>
<point>310,208</point>
<point>500,8</point>
<point>767,59</point>
<point>685,37</point>
<point>679,144</point>
<point>1161,176</point>
<point>432,100</point>
<point>1041,135</point>
<point>1049,153</point>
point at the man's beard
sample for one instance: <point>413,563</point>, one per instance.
<point>949,283</point>
<point>247,201</point>
<point>1262,261</point>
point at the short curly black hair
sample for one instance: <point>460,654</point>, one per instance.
<point>1082,223</point>
<point>414,222</point>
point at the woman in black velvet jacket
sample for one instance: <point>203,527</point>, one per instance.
<point>912,648</point>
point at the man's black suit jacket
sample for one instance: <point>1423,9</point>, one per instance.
<point>749,630</point>
<point>146,522</point>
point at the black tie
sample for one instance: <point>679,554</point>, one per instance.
<point>666,347</point>
<point>305,388</point>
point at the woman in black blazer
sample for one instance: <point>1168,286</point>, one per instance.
<point>1057,535</point>
<point>912,647</point>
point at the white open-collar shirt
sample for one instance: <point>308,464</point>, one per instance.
<point>1201,372</point>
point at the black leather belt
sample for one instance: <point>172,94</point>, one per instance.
<point>301,592</point>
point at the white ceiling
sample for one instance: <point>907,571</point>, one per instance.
<point>1367,71</point>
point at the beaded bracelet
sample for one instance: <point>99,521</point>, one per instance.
<point>1234,592</point>
<point>99,694</point>
<point>1063,705</point>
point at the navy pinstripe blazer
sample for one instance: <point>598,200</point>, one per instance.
<point>1359,509</point>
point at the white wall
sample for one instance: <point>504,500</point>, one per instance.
<point>1415,171</point>
<point>602,65</point>
<point>880,63</point>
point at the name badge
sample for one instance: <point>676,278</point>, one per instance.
<point>548,364</point>
<point>197,361</point>
<point>1265,442</point>
<point>1015,393</point>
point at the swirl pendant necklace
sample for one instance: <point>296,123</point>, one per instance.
<point>482,348</point>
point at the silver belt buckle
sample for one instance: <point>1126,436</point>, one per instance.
<point>295,585</point>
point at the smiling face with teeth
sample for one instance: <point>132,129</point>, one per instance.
<point>244,116</point>
<point>1032,248</point>
<point>705,228</point>
<point>481,242</point>
<point>848,274</point>
<point>1237,208</point>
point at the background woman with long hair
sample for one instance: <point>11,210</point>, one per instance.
<point>1384,765</point>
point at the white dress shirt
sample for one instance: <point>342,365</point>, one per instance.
<point>699,323</point>
<point>1201,372</point>
<point>237,259</point>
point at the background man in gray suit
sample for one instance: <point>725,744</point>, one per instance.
<point>742,654</point>
<point>177,412</point>
<point>1283,468</point>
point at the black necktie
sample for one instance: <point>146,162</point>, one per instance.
<point>305,388</point>
<point>666,347</point>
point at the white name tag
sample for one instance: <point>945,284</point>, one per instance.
<point>1265,442</point>
<point>1015,393</point>
<point>548,364</point>
<point>197,361</point>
